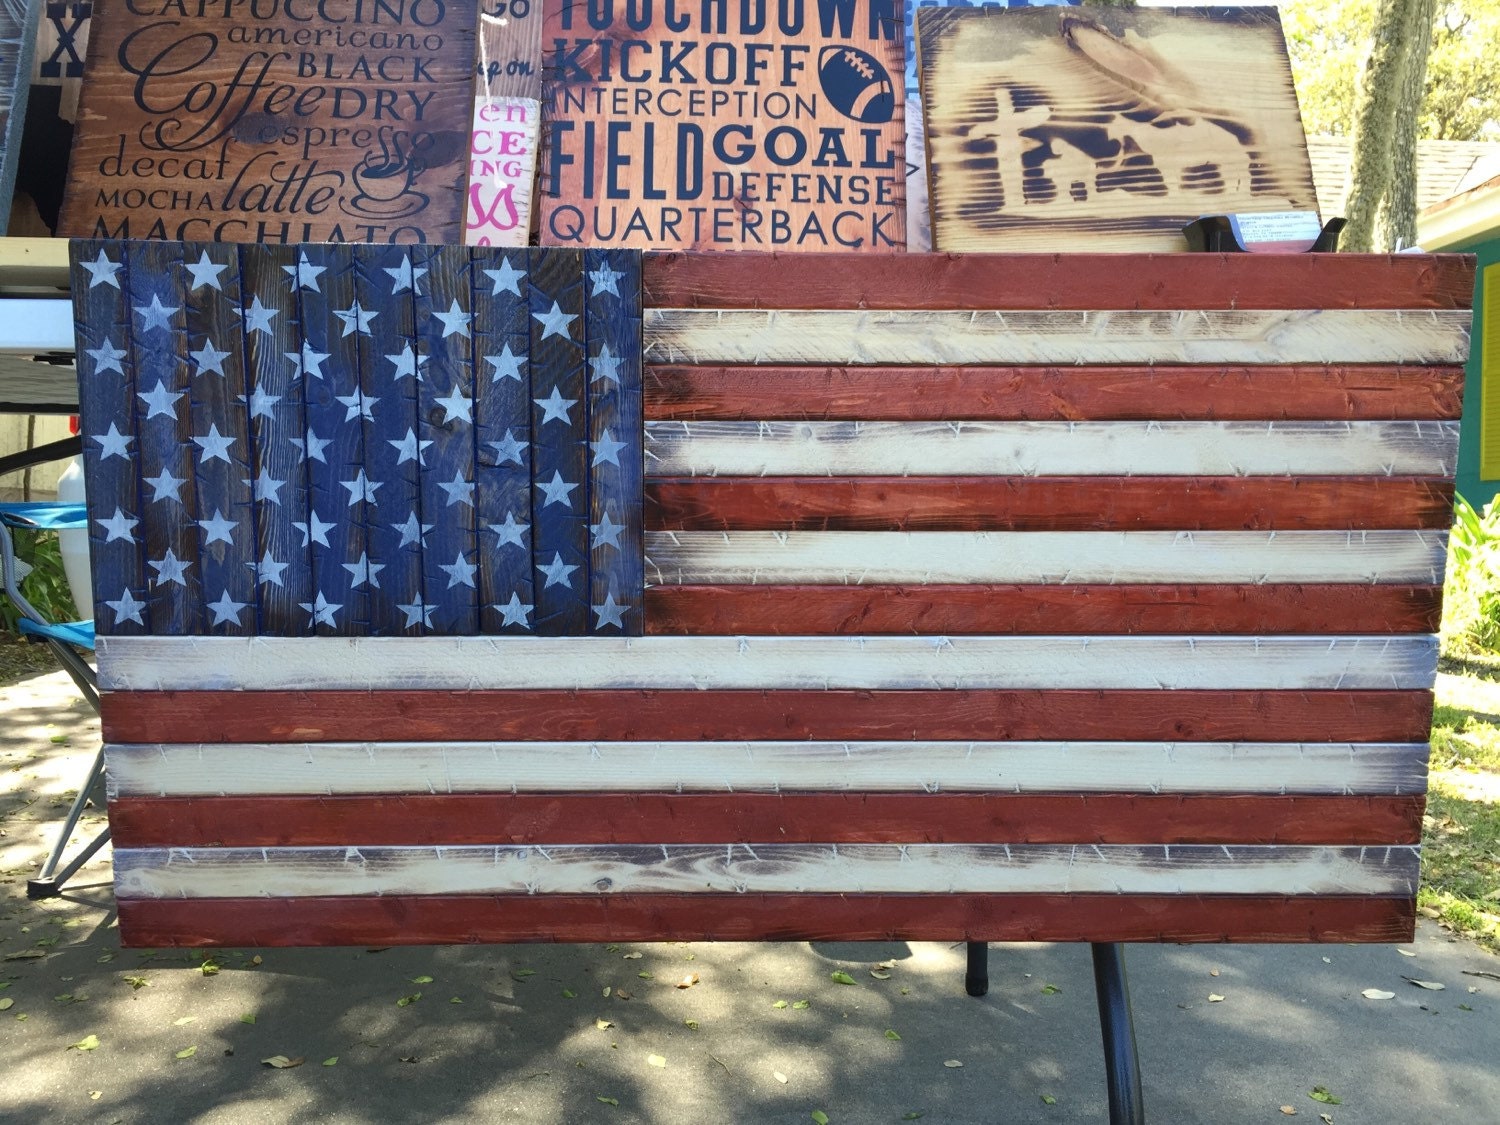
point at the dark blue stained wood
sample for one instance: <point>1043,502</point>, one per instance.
<point>389,369</point>
<point>559,452</point>
<point>444,325</point>
<point>164,427</point>
<point>269,330</point>
<point>335,406</point>
<point>210,286</point>
<point>106,385</point>
<point>502,421</point>
<point>617,577</point>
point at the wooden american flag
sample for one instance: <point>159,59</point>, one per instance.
<point>987,598</point>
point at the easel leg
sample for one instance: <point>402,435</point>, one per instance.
<point>1121,1067</point>
<point>977,979</point>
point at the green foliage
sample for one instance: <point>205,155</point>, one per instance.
<point>1471,588</point>
<point>46,587</point>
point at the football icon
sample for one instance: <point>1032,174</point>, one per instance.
<point>856,84</point>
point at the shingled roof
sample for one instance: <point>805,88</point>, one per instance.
<point>1444,168</point>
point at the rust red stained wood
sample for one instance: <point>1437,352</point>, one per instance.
<point>1209,716</point>
<point>1056,281</point>
<point>1042,610</point>
<point>1302,392</point>
<point>1046,503</point>
<point>454,919</point>
<point>748,818</point>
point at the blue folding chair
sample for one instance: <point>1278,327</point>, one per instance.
<point>68,640</point>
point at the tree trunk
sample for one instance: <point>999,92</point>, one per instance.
<point>1396,223</point>
<point>1375,108</point>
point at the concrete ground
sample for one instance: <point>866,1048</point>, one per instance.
<point>1227,1034</point>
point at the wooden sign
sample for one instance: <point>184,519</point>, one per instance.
<point>730,126</point>
<point>1105,129</point>
<point>18,21</point>
<point>507,124</point>
<point>62,39</point>
<point>344,122</point>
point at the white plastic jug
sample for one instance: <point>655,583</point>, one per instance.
<point>75,544</point>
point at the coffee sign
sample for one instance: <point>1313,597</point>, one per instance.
<point>723,124</point>
<point>274,121</point>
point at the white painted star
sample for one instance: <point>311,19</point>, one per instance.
<point>258,318</point>
<point>311,447</point>
<point>102,271</point>
<point>556,322</point>
<point>313,529</point>
<point>268,570</point>
<point>412,531</point>
<point>361,488</point>
<point>156,314</point>
<point>407,362</point>
<point>455,320</point>
<point>358,406</point>
<point>456,405</point>
<point>204,272</point>
<point>119,525</point>
<point>417,613</point>
<point>510,532</point>
<point>508,449</point>
<point>610,613</point>
<point>160,400</point>
<point>507,365</point>
<point>226,609</point>
<point>410,448</point>
<point>106,357</point>
<point>363,571</point>
<point>356,319</point>
<point>310,361</point>
<point>605,365</point>
<point>260,402</point>
<point>604,280</point>
<point>218,529</point>
<point>405,277</point>
<point>606,533</point>
<point>321,610</point>
<point>165,486</point>
<point>127,608</point>
<point>557,572</point>
<point>515,612</point>
<point>305,274</point>
<point>557,490</point>
<point>506,278</point>
<point>460,572</point>
<point>266,487</point>
<point>210,360</point>
<point>214,445</point>
<point>607,450</point>
<point>169,568</point>
<point>554,406</point>
<point>114,443</point>
<point>459,490</point>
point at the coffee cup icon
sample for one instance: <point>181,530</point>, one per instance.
<point>383,179</point>
<point>383,182</point>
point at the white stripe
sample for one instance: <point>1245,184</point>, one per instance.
<point>1049,448</point>
<point>765,868</point>
<point>809,663</point>
<point>341,768</point>
<point>1055,336</point>
<point>1045,558</point>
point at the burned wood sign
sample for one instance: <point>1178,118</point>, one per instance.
<point>507,124</point>
<point>738,125</point>
<point>1054,129</point>
<point>274,121</point>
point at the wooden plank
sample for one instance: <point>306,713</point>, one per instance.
<point>839,818</point>
<point>507,126</point>
<point>678,558</point>
<point>1056,281</point>
<point>268,769</point>
<point>446,919</point>
<point>1072,503</point>
<point>737,663</point>
<point>675,335</point>
<point>1370,715</point>
<point>111,444</point>
<point>1265,393</point>
<point>19,20</point>
<point>990,608</point>
<point>1044,449</point>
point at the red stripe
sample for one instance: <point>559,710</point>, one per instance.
<point>1054,393</point>
<point>1044,610</point>
<point>460,919</point>
<point>1211,716</point>
<point>702,818</point>
<point>1046,503</point>
<point>1054,281</point>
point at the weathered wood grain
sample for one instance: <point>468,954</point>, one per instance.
<point>507,126</point>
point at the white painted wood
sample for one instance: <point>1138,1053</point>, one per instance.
<point>1031,449</point>
<point>766,868</point>
<point>1055,336</point>
<point>810,663</point>
<point>344,768</point>
<point>1046,558</point>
